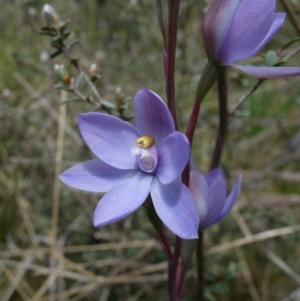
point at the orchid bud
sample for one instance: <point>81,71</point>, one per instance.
<point>120,97</point>
<point>93,69</point>
<point>62,74</point>
<point>49,15</point>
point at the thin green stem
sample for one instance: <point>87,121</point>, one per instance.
<point>223,119</point>
<point>208,78</point>
<point>161,21</point>
<point>200,267</point>
<point>158,225</point>
<point>220,141</point>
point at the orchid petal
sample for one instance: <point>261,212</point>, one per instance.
<point>277,23</point>
<point>176,207</point>
<point>94,176</point>
<point>122,199</point>
<point>152,116</point>
<point>251,23</point>
<point>173,156</point>
<point>109,138</point>
<point>213,175</point>
<point>216,24</point>
<point>217,191</point>
<point>198,187</point>
<point>268,72</point>
<point>231,198</point>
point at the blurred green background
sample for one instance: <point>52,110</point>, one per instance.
<point>49,249</point>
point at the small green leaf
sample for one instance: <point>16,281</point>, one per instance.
<point>55,54</point>
<point>46,28</point>
<point>108,105</point>
<point>66,35</point>
<point>288,44</point>
<point>61,86</point>
<point>97,76</point>
<point>78,81</point>
<point>124,106</point>
<point>58,39</point>
<point>271,58</point>
<point>63,25</point>
<point>47,33</point>
<point>280,63</point>
<point>70,99</point>
<point>74,43</point>
<point>74,60</point>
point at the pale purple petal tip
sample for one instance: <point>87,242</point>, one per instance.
<point>268,72</point>
<point>217,191</point>
<point>173,156</point>
<point>277,23</point>
<point>109,138</point>
<point>214,174</point>
<point>122,199</point>
<point>175,205</point>
<point>94,176</point>
<point>152,116</point>
<point>232,197</point>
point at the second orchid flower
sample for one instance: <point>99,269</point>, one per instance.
<point>234,30</point>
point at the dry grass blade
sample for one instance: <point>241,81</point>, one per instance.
<point>283,266</point>
<point>58,161</point>
<point>253,238</point>
<point>15,283</point>
<point>241,223</point>
<point>269,201</point>
<point>45,104</point>
<point>248,276</point>
<point>294,296</point>
<point>44,287</point>
<point>87,288</point>
<point>88,248</point>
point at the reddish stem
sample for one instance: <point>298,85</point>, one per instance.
<point>164,242</point>
<point>170,55</point>
<point>173,271</point>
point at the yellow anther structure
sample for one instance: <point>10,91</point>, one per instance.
<point>145,141</point>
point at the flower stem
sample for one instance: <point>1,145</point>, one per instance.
<point>223,119</point>
<point>173,269</point>
<point>208,78</point>
<point>292,16</point>
<point>160,16</point>
<point>200,267</point>
<point>158,225</point>
<point>190,131</point>
<point>170,57</point>
<point>223,124</point>
<point>187,251</point>
<point>245,96</point>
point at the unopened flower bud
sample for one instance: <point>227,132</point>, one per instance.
<point>62,74</point>
<point>93,69</point>
<point>49,15</point>
<point>120,100</point>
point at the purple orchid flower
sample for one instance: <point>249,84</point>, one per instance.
<point>133,161</point>
<point>235,30</point>
<point>210,193</point>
